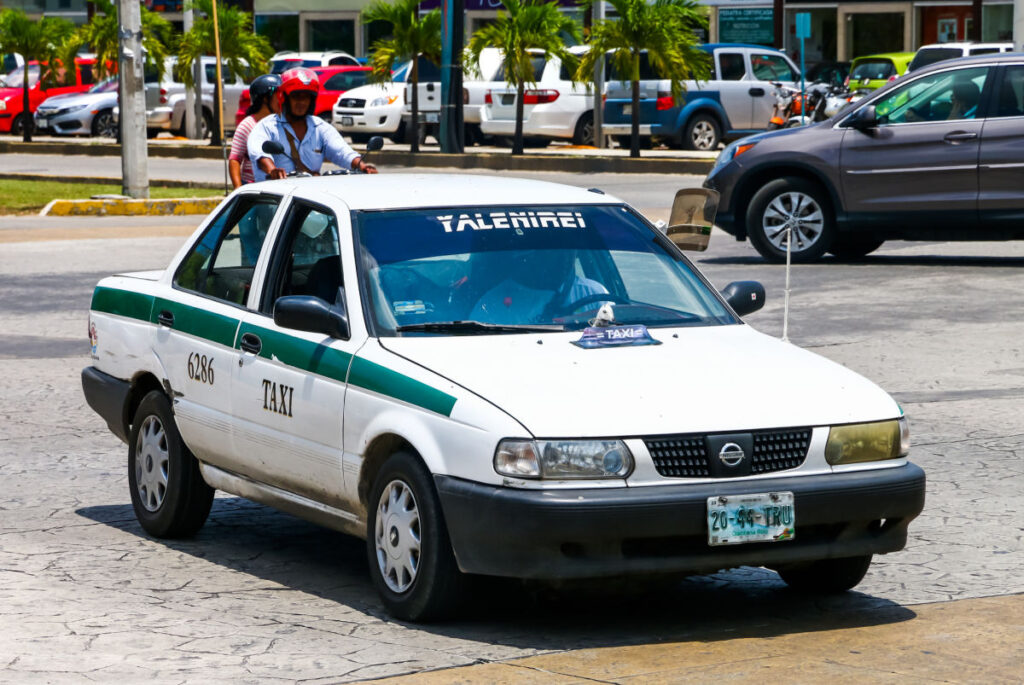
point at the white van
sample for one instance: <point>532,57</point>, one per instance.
<point>937,52</point>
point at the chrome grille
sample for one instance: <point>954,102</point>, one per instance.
<point>351,103</point>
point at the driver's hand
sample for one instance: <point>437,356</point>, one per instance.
<point>277,173</point>
<point>366,168</point>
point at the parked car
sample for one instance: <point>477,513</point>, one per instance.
<point>737,100</point>
<point>13,118</point>
<point>289,59</point>
<point>553,106</point>
<point>936,52</point>
<point>832,73</point>
<point>334,81</point>
<point>90,113</point>
<point>874,71</point>
<point>935,155</point>
<point>377,108</point>
<point>10,61</point>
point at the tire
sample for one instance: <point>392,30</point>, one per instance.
<point>416,580</point>
<point>152,132</point>
<point>847,246</point>
<point>169,495</point>
<point>398,137</point>
<point>827,576</point>
<point>103,125</point>
<point>785,199</point>
<point>702,132</point>
<point>584,133</point>
<point>18,125</point>
<point>206,130</point>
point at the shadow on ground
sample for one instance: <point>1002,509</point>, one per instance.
<point>256,540</point>
<point>880,260</point>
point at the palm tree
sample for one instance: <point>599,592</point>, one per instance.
<point>524,25</point>
<point>100,34</point>
<point>242,51</point>
<point>36,40</point>
<point>412,36</point>
<point>662,28</point>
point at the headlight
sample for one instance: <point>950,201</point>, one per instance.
<point>3,105</point>
<point>861,442</point>
<point>563,459</point>
<point>731,152</point>
<point>73,108</point>
<point>378,102</point>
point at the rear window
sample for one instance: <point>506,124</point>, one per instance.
<point>536,61</point>
<point>926,56</point>
<point>346,80</point>
<point>873,69</point>
<point>646,72</point>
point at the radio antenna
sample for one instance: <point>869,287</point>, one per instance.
<point>785,313</point>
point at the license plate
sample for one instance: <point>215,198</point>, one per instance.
<point>627,110</point>
<point>432,117</point>
<point>347,121</point>
<point>42,123</point>
<point>762,517</point>
<point>508,99</point>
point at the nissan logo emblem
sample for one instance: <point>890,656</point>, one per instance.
<point>731,454</point>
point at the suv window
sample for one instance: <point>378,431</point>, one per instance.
<point>945,96</point>
<point>873,69</point>
<point>346,80</point>
<point>222,263</point>
<point>926,56</point>
<point>1010,102</point>
<point>310,264</point>
<point>769,67</point>
<point>536,61</point>
<point>983,51</point>
<point>612,74</point>
<point>732,66</point>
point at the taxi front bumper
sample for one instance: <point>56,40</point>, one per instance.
<point>663,529</point>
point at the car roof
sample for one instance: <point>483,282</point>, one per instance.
<point>894,56</point>
<point>992,57</point>
<point>708,47</point>
<point>410,191</point>
<point>967,45</point>
<point>335,68</point>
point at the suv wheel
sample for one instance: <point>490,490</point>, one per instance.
<point>701,133</point>
<point>795,204</point>
<point>584,134</point>
<point>827,576</point>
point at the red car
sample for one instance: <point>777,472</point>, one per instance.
<point>12,114</point>
<point>333,82</point>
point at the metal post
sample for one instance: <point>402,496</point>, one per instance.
<point>599,139</point>
<point>193,104</point>
<point>1018,25</point>
<point>453,31</point>
<point>134,169</point>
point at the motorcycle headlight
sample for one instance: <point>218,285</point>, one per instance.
<point>862,442</point>
<point>378,102</point>
<point>563,459</point>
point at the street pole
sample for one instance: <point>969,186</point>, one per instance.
<point>1018,25</point>
<point>193,105</point>
<point>453,29</point>
<point>134,170</point>
<point>599,141</point>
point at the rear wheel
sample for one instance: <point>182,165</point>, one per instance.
<point>584,134</point>
<point>847,246</point>
<point>702,133</point>
<point>19,123</point>
<point>103,125</point>
<point>796,204</point>
<point>169,495</point>
<point>827,576</point>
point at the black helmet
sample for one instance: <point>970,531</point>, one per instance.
<point>262,89</point>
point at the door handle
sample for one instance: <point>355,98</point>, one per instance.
<point>251,343</point>
<point>165,318</point>
<point>756,92</point>
<point>959,136</point>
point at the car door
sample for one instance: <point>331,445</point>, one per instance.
<point>766,68</point>
<point>923,155</point>
<point>1001,162</point>
<point>735,91</point>
<point>198,317</point>
<point>289,387</point>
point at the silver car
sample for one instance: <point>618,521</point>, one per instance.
<point>89,113</point>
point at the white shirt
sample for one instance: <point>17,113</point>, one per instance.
<point>510,302</point>
<point>322,142</point>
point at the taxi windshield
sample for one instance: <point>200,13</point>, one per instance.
<point>469,270</point>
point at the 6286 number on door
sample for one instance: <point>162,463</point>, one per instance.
<point>200,368</point>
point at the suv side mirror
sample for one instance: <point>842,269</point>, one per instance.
<point>311,314</point>
<point>745,297</point>
<point>863,119</point>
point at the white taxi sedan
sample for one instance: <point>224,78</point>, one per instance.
<point>489,376</point>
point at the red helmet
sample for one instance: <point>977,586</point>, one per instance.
<point>298,80</point>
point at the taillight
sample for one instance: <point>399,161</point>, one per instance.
<point>488,100</point>
<point>664,101</point>
<point>465,96</point>
<point>163,96</point>
<point>539,97</point>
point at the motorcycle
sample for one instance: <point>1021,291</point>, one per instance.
<point>821,101</point>
<point>272,147</point>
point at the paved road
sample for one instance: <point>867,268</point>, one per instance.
<point>261,596</point>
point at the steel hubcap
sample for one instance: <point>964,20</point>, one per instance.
<point>703,135</point>
<point>397,536</point>
<point>793,213</point>
<point>106,126</point>
<point>151,458</point>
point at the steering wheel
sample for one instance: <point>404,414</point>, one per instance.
<point>590,299</point>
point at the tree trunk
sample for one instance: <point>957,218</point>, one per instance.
<point>414,123</point>
<point>517,141</point>
<point>218,107</point>
<point>26,114</point>
<point>634,129</point>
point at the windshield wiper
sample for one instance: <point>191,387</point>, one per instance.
<point>476,327</point>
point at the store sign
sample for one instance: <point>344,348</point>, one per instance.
<point>746,25</point>
<point>484,5</point>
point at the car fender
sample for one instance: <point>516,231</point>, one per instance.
<point>757,174</point>
<point>703,102</point>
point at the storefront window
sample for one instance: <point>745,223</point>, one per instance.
<point>997,23</point>
<point>331,34</point>
<point>282,30</point>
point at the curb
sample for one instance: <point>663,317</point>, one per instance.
<point>194,205</point>
<point>482,160</point>
<point>108,180</point>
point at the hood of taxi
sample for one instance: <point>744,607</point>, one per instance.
<point>720,378</point>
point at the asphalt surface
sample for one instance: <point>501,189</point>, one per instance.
<point>258,595</point>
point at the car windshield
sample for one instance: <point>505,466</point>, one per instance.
<point>16,79</point>
<point>926,56</point>
<point>108,86</point>
<point>873,69</point>
<point>492,269</point>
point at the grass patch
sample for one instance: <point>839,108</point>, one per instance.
<point>19,197</point>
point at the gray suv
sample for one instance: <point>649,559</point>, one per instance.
<point>936,155</point>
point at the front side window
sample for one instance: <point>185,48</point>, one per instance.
<point>944,96</point>
<point>524,266</point>
<point>771,67</point>
<point>222,263</point>
<point>308,259</point>
<point>1010,102</point>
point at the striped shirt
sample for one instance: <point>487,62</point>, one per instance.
<point>240,149</point>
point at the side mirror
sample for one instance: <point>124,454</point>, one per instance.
<point>863,119</point>
<point>745,297</point>
<point>311,314</point>
<point>375,143</point>
<point>272,147</point>
<point>693,214</point>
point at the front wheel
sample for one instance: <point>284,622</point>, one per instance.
<point>790,206</point>
<point>702,133</point>
<point>827,576</point>
<point>584,133</point>
<point>410,556</point>
<point>169,495</point>
<point>103,125</point>
<point>19,124</point>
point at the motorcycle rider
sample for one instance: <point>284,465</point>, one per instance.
<point>307,140</point>
<point>263,102</point>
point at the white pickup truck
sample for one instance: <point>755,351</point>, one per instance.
<point>489,376</point>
